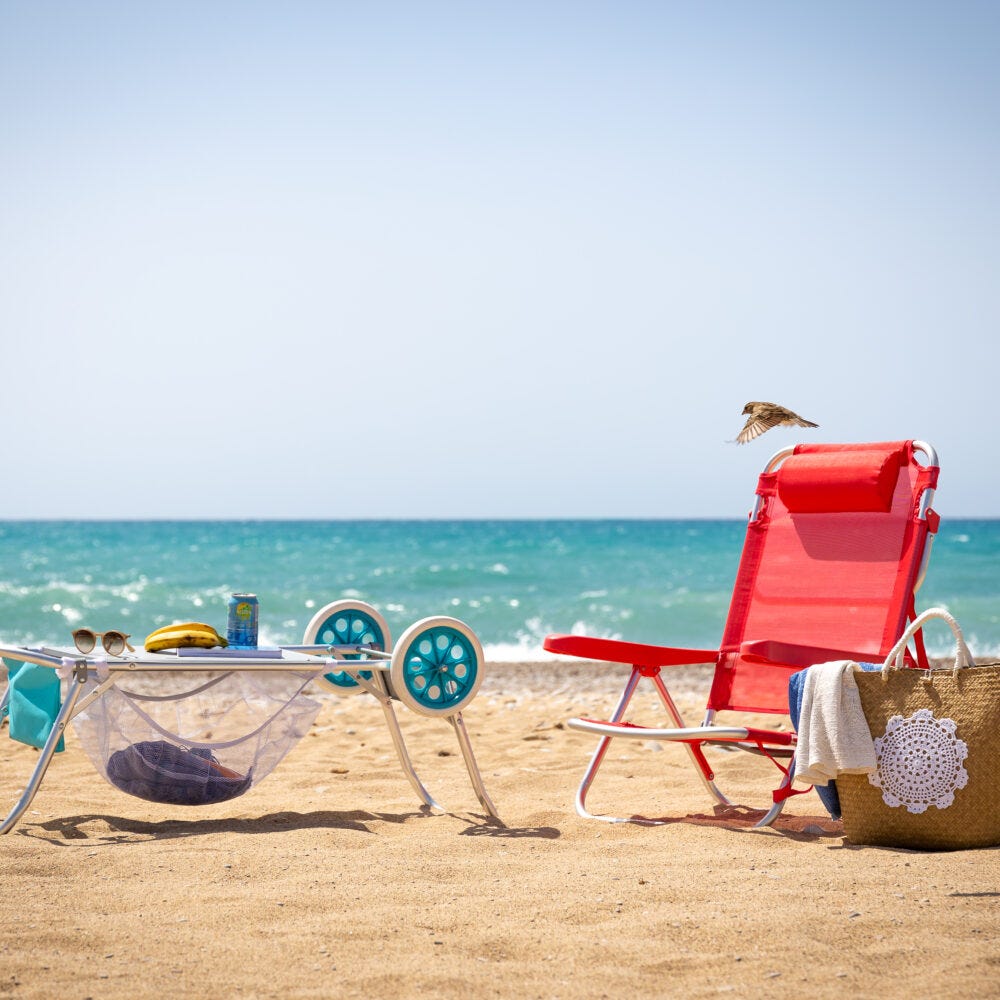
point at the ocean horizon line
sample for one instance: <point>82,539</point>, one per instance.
<point>582,519</point>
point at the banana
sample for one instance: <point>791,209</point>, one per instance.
<point>196,626</point>
<point>171,638</point>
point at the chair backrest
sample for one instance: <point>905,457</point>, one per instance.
<point>834,551</point>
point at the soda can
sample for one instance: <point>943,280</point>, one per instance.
<point>241,626</point>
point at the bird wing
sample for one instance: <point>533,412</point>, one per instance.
<point>754,427</point>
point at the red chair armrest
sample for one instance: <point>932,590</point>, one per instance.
<point>635,653</point>
<point>795,655</point>
<point>773,737</point>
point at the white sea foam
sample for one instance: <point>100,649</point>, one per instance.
<point>528,647</point>
<point>518,652</point>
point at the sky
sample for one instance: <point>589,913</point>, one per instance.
<point>435,260</point>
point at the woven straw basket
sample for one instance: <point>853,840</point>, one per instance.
<point>937,742</point>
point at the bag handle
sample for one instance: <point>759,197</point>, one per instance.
<point>897,652</point>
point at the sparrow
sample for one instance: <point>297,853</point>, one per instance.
<point>763,416</point>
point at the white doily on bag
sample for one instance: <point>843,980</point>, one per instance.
<point>920,762</point>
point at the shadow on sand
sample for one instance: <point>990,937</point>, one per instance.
<point>93,829</point>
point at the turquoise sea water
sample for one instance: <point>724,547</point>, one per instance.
<point>512,581</point>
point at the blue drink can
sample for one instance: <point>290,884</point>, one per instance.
<point>241,626</point>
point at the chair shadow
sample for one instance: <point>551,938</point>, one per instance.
<point>494,827</point>
<point>743,818</point>
<point>70,831</point>
<point>123,830</point>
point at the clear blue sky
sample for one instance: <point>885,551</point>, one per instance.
<point>515,259</point>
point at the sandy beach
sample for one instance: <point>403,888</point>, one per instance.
<point>329,880</point>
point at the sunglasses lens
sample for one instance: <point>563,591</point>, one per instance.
<point>114,642</point>
<point>85,640</point>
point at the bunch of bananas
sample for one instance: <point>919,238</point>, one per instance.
<point>183,634</point>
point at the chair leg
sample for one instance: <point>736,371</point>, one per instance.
<point>77,682</point>
<point>700,765</point>
<point>379,688</point>
<point>401,752</point>
<point>602,749</point>
<point>775,811</point>
<point>458,724</point>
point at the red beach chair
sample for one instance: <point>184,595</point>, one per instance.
<point>836,547</point>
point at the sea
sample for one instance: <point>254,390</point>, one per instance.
<point>512,582</point>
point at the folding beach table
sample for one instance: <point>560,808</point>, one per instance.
<point>435,669</point>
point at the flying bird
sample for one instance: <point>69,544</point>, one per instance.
<point>763,416</point>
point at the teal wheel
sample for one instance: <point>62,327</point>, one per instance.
<point>347,623</point>
<point>437,666</point>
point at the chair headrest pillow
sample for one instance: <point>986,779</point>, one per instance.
<point>828,482</point>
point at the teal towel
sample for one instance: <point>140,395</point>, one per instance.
<point>35,698</point>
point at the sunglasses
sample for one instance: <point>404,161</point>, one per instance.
<point>114,642</point>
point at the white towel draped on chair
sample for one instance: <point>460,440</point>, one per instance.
<point>833,735</point>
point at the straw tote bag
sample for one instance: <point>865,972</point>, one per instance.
<point>937,747</point>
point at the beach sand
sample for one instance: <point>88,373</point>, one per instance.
<point>329,880</point>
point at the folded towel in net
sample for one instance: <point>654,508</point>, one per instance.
<point>163,772</point>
